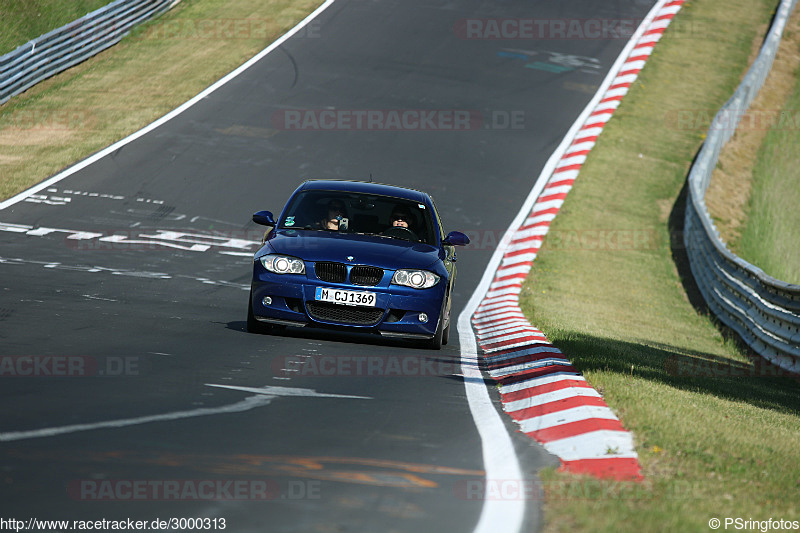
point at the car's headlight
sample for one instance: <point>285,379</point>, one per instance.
<point>283,264</point>
<point>418,279</point>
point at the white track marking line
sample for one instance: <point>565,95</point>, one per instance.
<point>245,405</point>
<point>169,116</point>
<point>287,391</point>
<point>264,396</point>
<point>499,458</point>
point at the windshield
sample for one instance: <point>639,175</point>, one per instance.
<point>367,214</point>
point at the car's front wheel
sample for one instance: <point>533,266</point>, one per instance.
<point>442,332</point>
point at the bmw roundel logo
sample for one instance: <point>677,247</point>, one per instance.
<point>350,258</point>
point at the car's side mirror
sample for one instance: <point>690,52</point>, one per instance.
<point>456,238</point>
<point>264,218</point>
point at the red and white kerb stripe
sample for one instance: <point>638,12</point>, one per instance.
<point>539,387</point>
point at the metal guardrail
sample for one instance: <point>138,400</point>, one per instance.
<point>764,311</point>
<point>68,45</point>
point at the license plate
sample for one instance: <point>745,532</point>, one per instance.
<point>340,296</point>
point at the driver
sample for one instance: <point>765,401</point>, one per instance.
<point>401,217</point>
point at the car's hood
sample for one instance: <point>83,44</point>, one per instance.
<point>382,252</point>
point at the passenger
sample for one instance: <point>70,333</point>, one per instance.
<point>336,218</point>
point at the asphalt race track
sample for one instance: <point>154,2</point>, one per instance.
<point>131,275</point>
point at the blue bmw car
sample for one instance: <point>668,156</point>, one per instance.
<point>358,256</point>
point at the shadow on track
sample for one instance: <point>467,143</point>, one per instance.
<point>336,335</point>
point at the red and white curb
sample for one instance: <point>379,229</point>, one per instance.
<point>540,389</point>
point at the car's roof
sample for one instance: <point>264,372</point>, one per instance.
<point>364,187</point>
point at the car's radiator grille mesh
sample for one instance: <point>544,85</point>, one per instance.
<point>332,272</point>
<point>344,314</point>
<point>366,275</point>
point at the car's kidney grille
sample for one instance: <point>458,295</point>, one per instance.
<point>344,314</point>
<point>366,275</point>
<point>332,272</point>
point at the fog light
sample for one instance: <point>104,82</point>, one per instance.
<point>423,317</point>
<point>266,300</point>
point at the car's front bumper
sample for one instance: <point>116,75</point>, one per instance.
<point>292,303</point>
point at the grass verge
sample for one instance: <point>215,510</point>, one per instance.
<point>23,20</point>
<point>770,237</point>
<point>155,69</point>
<point>714,428</point>
<point>754,194</point>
